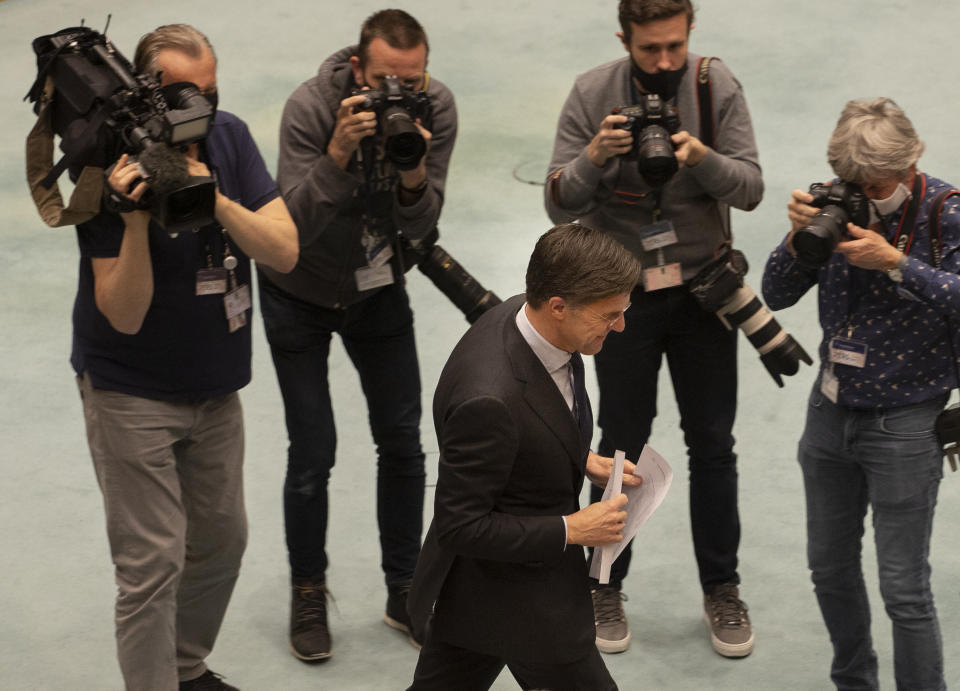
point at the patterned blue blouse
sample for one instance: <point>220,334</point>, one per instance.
<point>908,354</point>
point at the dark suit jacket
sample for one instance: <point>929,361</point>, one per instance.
<point>494,568</point>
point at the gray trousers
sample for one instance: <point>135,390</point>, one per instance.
<point>171,474</point>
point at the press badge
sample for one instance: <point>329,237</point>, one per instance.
<point>662,276</point>
<point>829,384</point>
<point>376,247</point>
<point>370,277</point>
<point>846,351</point>
<point>657,236</point>
<point>653,238</point>
<point>235,304</point>
<point>211,281</point>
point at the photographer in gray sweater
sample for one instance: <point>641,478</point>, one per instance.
<point>676,224</point>
<point>353,183</point>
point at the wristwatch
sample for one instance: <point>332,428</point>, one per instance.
<point>896,273</point>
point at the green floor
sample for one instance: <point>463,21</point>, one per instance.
<point>510,64</point>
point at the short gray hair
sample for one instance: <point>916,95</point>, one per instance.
<point>181,37</point>
<point>873,140</point>
<point>580,265</point>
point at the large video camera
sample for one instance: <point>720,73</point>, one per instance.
<point>449,276</point>
<point>397,108</point>
<point>652,122</point>
<point>719,288</point>
<point>839,204</point>
<point>101,109</point>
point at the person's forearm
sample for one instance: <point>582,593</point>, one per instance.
<point>267,235</point>
<point>123,285</point>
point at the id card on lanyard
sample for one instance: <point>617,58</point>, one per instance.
<point>655,238</point>
<point>222,280</point>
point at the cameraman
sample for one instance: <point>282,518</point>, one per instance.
<point>159,366</point>
<point>592,178</point>
<point>349,201</point>
<point>888,368</point>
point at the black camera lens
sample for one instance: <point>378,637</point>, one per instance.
<point>655,157</point>
<point>815,242</point>
<point>188,208</point>
<point>405,146</point>
<point>457,284</point>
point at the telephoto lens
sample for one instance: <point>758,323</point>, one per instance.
<point>719,288</point>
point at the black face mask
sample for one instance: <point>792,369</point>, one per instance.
<point>665,84</point>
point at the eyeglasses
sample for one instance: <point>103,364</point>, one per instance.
<point>611,318</point>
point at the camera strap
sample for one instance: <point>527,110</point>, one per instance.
<point>909,218</point>
<point>705,100</point>
<point>85,199</point>
<point>936,239</point>
<point>946,420</point>
<point>707,130</point>
<point>936,245</point>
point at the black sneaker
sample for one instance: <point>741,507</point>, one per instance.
<point>310,638</point>
<point>208,681</point>
<point>396,616</point>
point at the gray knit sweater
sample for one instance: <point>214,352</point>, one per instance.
<point>328,203</point>
<point>615,198</point>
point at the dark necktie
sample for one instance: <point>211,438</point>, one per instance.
<point>581,406</point>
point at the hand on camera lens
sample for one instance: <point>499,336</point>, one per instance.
<point>799,209</point>
<point>425,133</point>
<point>352,127</point>
<point>610,140</point>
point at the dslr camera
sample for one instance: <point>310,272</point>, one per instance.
<point>839,204</point>
<point>651,122</point>
<point>397,108</point>
<point>101,108</point>
<point>719,288</point>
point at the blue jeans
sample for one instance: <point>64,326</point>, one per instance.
<point>702,355</point>
<point>378,336</point>
<point>889,460</point>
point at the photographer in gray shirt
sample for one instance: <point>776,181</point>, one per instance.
<point>350,198</point>
<point>676,226</point>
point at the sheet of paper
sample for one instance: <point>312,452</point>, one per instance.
<point>642,501</point>
<point>613,489</point>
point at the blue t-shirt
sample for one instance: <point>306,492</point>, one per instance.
<point>184,350</point>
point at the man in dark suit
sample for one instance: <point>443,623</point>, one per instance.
<point>496,583</point>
